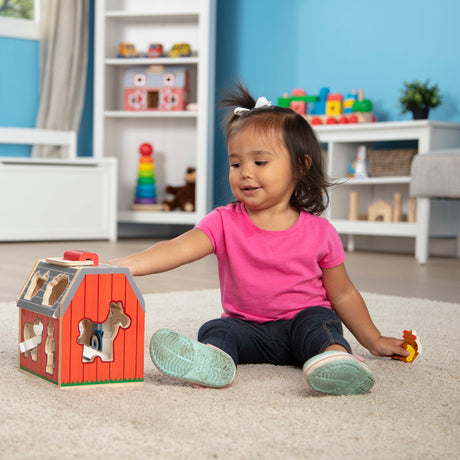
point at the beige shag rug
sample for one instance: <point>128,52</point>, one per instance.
<point>411,413</point>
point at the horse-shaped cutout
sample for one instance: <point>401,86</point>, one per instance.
<point>97,338</point>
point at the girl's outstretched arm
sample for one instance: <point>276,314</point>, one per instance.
<point>352,310</point>
<point>166,255</point>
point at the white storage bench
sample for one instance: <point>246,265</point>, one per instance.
<point>56,199</point>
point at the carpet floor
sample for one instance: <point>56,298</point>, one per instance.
<point>269,412</point>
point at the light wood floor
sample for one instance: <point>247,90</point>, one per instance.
<point>382,273</point>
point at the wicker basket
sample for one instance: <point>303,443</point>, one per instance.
<point>390,162</point>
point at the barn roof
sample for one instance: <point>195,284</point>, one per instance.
<point>42,300</point>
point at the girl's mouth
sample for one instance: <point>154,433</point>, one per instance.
<point>249,190</point>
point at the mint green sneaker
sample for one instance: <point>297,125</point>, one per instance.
<point>338,373</point>
<point>180,357</point>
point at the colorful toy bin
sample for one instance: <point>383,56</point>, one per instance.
<point>81,322</point>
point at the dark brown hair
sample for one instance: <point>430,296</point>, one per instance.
<point>310,193</point>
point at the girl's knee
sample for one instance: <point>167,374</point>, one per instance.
<point>210,328</point>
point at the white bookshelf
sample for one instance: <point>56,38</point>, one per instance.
<point>180,138</point>
<point>342,142</point>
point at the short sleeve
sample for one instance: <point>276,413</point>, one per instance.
<point>211,225</point>
<point>334,253</point>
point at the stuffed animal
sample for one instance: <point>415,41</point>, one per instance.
<point>184,196</point>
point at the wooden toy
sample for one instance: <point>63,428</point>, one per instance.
<point>380,210</point>
<point>81,322</point>
<point>127,50</point>
<point>397,207</point>
<point>349,101</point>
<point>156,88</point>
<point>297,101</point>
<point>334,104</point>
<point>332,109</point>
<point>412,209</point>
<point>353,212</point>
<point>155,50</point>
<point>320,104</point>
<point>411,344</point>
<point>180,50</point>
<point>146,189</point>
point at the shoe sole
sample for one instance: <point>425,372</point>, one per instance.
<point>338,373</point>
<point>182,358</point>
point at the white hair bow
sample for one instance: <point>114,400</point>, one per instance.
<point>261,102</point>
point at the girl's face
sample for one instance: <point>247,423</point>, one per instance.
<point>261,175</point>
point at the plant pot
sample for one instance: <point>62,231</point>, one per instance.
<point>420,114</point>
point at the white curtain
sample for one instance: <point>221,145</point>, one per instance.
<point>63,66</point>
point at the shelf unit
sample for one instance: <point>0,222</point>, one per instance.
<point>180,138</point>
<point>342,142</point>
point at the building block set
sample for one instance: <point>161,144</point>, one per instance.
<point>329,108</point>
<point>81,322</point>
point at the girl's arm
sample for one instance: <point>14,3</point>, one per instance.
<point>166,255</point>
<point>352,310</point>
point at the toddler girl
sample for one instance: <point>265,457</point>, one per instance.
<point>284,287</point>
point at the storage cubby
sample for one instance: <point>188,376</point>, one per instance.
<point>180,138</point>
<point>341,142</point>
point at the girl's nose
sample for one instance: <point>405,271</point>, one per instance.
<point>245,172</point>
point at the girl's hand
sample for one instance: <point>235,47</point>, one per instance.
<point>122,262</point>
<point>388,346</point>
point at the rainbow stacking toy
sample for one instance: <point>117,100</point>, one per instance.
<point>145,190</point>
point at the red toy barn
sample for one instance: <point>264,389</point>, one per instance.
<point>81,323</point>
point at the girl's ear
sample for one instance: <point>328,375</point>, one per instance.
<point>305,165</point>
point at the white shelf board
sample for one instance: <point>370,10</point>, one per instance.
<point>358,227</point>
<point>150,114</point>
<point>165,14</point>
<point>132,62</point>
<point>158,217</point>
<point>379,131</point>
<point>376,180</point>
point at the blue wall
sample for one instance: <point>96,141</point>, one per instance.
<point>19,87</point>
<point>275,46</point>
<point>20,90</point>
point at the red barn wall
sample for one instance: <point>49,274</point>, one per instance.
<point>39,367</point>
<point>92,300</point>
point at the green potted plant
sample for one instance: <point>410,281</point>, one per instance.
<point>418,98</point>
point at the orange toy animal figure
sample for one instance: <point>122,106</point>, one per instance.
<point>411,344</point>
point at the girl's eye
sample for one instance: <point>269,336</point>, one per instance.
<point>235,165</point>
<point>261,163</point>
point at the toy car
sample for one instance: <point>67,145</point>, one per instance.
<point>155,50</point>
<point>180,49</point>
<point>127,50</point>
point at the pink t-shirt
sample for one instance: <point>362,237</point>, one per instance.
<point>271,275</point>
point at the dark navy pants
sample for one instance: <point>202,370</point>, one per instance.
<point>288,342</point>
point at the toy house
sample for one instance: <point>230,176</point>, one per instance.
<point>156,88</point>
<point>81,323</point>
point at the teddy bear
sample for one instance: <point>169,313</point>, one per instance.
<point>184,196</point>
